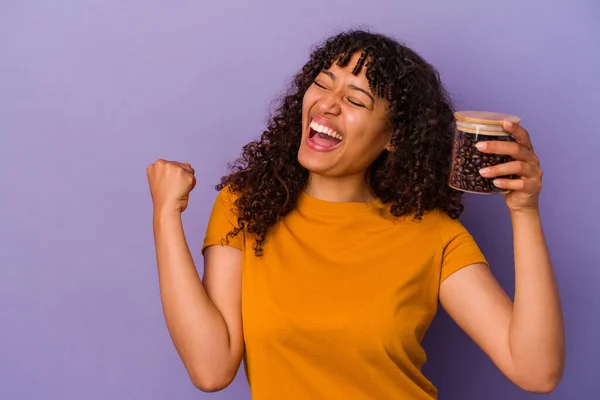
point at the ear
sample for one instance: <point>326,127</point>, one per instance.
<point>390,131</point>
<point>388,146</point>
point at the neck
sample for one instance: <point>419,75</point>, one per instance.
<point>353,188</point>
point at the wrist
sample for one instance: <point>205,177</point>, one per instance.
<point>162,214</point>
<point>527,213</point>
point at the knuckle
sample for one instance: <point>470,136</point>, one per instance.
<point>531,155</point>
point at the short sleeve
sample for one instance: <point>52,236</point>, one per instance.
<point>459,247</point>
<point>222,221</point>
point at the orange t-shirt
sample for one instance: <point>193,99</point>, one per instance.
<point>338,304</point>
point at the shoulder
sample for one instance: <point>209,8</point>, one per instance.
<point>446,227</point>
<point>225,206</point>
<point>446,222</point>
<point>434,218</point>
<point>452,231</point>
<point>227,197</point>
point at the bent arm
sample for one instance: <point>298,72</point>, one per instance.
<point>525,339</point>
<point>204,320</point>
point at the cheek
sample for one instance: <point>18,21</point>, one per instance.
<point>365,132</point>
<point>368,140</point>
<point>309,99</point>
<point>305,110</point>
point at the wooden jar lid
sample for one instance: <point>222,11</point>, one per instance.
<point>484,117</point>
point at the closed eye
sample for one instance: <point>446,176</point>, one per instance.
<point>356,104</point>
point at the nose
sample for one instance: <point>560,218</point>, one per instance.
<point>329,103</point>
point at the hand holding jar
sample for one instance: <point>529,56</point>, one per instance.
<point>493,153</point>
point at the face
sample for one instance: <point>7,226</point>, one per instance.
<point>345,126</point>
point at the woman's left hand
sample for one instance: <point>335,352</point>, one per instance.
<point>524,191</point>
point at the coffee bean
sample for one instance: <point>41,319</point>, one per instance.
<point>468,160</point>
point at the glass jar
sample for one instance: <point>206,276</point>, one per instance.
<point>472,127</point>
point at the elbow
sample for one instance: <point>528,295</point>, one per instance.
<point>544,387</point>
<point>210,381</point>
<point>541,383</point>
<point>209,385</point>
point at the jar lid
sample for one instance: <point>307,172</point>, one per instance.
<point>484,117</point>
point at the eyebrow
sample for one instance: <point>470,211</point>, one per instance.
<point>353,87</point>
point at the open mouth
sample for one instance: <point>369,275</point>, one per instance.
<point>323,136</point>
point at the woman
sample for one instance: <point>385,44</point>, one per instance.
<point>335,235</point>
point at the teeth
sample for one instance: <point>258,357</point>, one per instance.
<point>323,129</point>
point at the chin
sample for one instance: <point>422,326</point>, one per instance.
<point>315,164</point>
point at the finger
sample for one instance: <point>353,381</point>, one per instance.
<point>193,183</point>
<point>185,166</point>
<point>510,184</point>
<point>189,166</point>
<point>519,133</point>
<point>513,149</point>
<point>519,168</point>
<point>528,185</point>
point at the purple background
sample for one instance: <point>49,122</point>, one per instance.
<point>91,92</point>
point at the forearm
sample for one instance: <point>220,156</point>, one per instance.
<point>196,326</point>
<point>536,335</point>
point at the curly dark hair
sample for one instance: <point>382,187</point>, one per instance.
<point>411,178</point>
